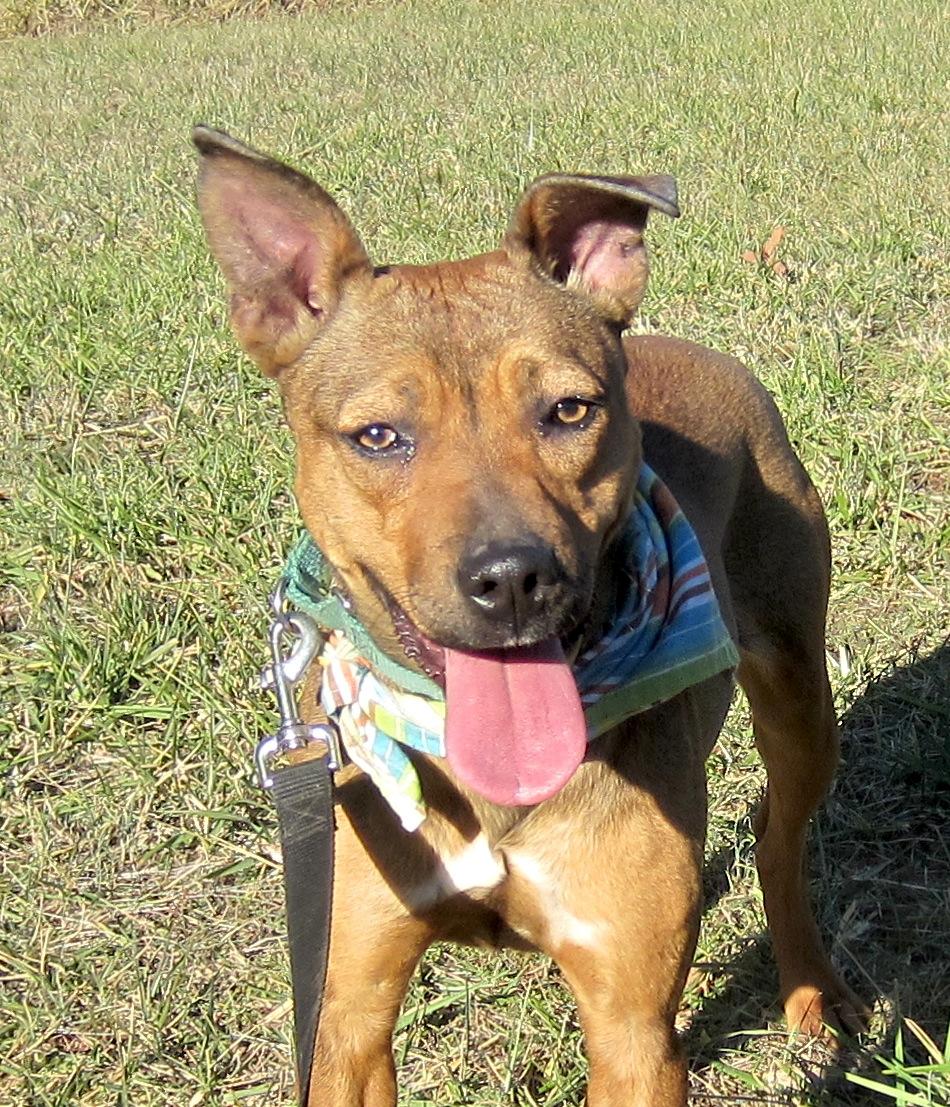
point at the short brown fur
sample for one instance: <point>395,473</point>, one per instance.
<point>465,357</point>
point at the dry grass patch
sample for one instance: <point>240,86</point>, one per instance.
<point>38,18</point>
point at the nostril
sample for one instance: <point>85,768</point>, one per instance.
<point>530,583</point>
<point>487,587</point>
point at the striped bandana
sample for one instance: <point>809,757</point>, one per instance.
<point>667,635</point>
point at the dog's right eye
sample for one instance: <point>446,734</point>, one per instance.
<point>377,438</point>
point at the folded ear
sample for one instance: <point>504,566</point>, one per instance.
<point>587,232</point>
<point>285,248</point>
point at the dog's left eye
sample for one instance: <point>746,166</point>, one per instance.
<point>377,438</point>
<point>571,412</point>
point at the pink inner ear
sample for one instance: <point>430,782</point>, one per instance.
<point>603,253</point>
<point>277,242</point>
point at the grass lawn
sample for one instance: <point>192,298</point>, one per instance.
<point>145,506</point>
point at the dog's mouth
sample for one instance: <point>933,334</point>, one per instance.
<point>514,730</point>
<point>418,647</point>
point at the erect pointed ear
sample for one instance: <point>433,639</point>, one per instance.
<point>587,232</point>
<point>285,248</point>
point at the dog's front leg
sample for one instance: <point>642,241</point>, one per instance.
<point>607,879</point>
<point>627,1004</point>
<point>627,963</point>
<point>375,944</point>
<point>629,976</point>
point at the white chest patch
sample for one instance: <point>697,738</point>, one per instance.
<point>474,868</point>
<point>564,927</point>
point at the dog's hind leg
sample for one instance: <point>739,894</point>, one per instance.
<point>780,610</point>
<point>796,734</point>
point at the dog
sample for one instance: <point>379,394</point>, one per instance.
<point>469,440</point>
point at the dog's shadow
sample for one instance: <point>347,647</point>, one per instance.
<point>880,862</point>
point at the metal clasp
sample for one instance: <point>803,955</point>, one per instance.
<point>282,675</point>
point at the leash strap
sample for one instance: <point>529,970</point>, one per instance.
<point>296,766</point>
<point>303,795</point>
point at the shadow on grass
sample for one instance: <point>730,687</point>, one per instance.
<point>881,887</point>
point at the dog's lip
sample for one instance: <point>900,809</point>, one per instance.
<point>418,647</point>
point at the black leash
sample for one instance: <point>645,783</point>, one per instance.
<point>302,791</point>
<point>303,794</point>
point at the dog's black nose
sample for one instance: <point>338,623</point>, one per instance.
<point>509,583</point>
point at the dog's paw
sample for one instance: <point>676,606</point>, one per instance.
<point>830,1012</point>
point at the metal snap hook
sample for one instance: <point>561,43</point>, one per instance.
<point>285,670</point>
<point>299,632</point>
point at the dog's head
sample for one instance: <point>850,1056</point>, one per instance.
<point>465,452</point>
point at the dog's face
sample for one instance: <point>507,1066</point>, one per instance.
<point>464,445</point>
<point>480,447</point>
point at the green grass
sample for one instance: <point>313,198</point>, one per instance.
<point>909,1084</point>
<point>145,507</point>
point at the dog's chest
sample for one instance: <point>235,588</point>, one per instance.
<point>520,883</point>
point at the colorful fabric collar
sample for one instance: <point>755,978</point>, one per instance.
<point>666,635</point>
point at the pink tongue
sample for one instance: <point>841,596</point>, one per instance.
<point>514,727</point>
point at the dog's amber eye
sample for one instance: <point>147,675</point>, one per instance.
<point>570,411</point>
<point>377,437</point>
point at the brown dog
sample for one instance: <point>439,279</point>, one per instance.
<point>468,438</point>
